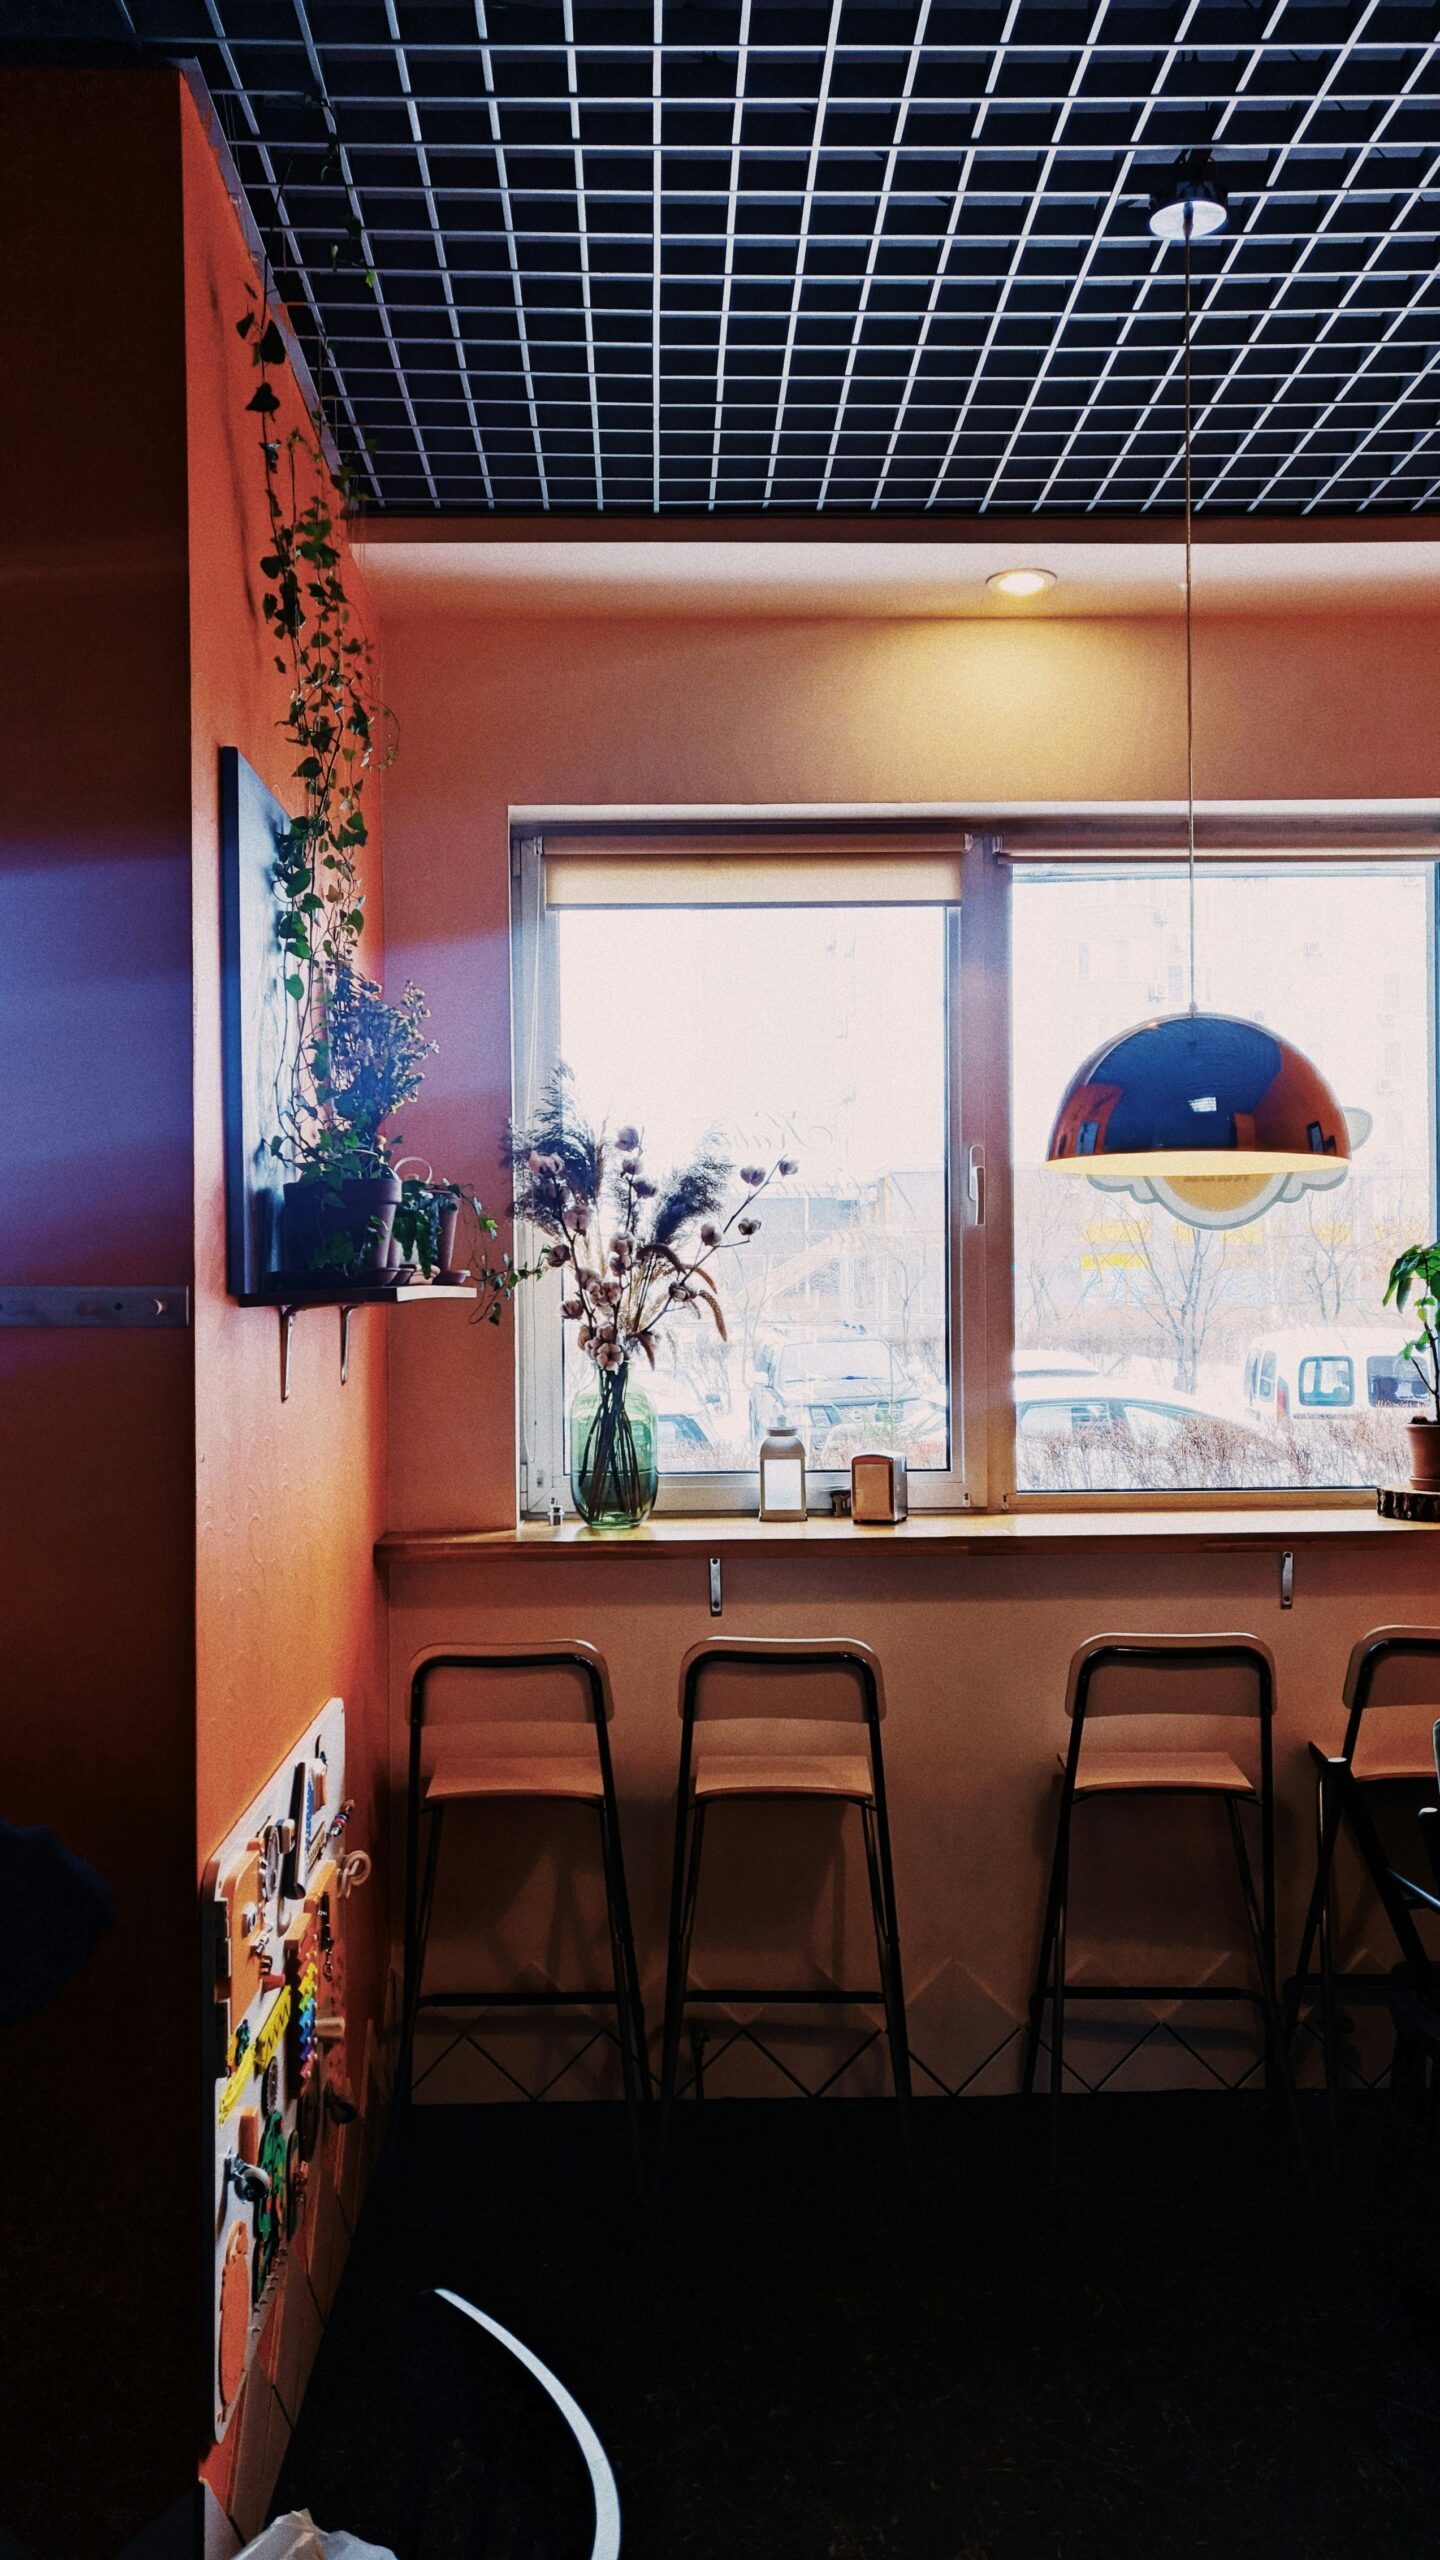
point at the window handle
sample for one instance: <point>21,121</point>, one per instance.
<point>975,1185</point>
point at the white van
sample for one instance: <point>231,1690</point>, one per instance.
<point>1305,1375</point>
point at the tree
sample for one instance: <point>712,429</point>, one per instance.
<point>1186,1267</point>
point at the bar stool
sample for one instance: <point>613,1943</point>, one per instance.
<point>746,1680</point>
<point>1391,1667</point>
<point>1229,1676</point>
<point>569,1679</point>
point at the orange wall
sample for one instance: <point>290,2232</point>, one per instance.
<point>655,712</point>
<point>290,1497</point>
<point>97,1532</point>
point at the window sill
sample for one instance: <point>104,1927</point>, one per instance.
<point>947,1533</point>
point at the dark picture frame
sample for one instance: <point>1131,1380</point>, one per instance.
<point>257,1024</point>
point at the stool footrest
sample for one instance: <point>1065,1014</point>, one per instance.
<point>1161,1991</point>
<point>761,1994</point>
<point>517,2000</point>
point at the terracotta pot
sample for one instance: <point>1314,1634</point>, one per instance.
<point>1424,1456</point>
<point>445,1226</point>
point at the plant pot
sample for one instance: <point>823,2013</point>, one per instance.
<point>614,1470</point>
<point>1424,1440</point>
<point>342,1227</point>
<point>446,1222</point>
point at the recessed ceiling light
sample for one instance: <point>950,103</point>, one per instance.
<point>1021,582</point>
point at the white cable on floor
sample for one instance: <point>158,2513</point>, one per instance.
<point>606,2545</point>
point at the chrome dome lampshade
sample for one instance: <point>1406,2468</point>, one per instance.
<point>1211,1117</point>
<point>1205,1112</point>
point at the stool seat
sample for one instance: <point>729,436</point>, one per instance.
<point>787,1773</point>
<point>1381,1760</point>
<point>1160,1773</point>
<point>548,1777</point>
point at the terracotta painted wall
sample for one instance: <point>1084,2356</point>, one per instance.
<point>643,713</point>
<point>97,1740</point>
<point>289,1497</point>
<point>649,713</point>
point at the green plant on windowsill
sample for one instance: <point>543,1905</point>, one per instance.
<point>1414,1285</point>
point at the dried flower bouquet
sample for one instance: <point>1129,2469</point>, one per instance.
<point>634,1250</point>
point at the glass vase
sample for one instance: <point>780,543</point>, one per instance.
<point>614,1475</point>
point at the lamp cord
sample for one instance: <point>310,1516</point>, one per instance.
<point>1189,622</point>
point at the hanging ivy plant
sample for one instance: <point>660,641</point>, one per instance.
<point>353,1057</point>
<point>332,720</point>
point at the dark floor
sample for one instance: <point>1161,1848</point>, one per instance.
<point>1184,2357</point>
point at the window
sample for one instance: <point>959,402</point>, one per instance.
<point>851,1008</point>
<point>820,1030</point>
<point>1231,1353</point>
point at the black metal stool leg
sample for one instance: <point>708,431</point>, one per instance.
<point>1275,2042</point>
<point>888,1953</point>
<point>1041,1989</point>
<point>415,1969</point>
<point>1057,1999</point>
<point>632,2061</point>
<point>1328,1828</point>
<point>1325,1933</point>
<point>689,1842</point>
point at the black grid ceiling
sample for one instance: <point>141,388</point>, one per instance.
<point>846,257</point>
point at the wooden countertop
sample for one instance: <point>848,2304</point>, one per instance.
<point>937,1533</point>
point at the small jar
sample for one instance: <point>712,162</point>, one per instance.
<point>782,1474</point>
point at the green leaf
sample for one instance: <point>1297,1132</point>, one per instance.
<point>295,988</point>
<point>263,401</point>
<point>271,347</point>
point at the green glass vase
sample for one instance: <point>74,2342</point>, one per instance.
<point>614,1475</point>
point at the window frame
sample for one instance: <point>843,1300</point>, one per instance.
<point>705,1492</point>
<point>978,1186</point>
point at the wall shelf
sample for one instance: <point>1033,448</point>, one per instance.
<point>290,1297</point>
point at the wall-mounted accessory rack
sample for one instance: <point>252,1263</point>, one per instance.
<point>273,1906</point>
<point>289,1297</point>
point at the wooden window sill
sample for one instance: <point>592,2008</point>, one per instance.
<point>948,1533</point>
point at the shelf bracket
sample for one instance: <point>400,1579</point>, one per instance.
<point>287,1316</point>
<point>345,1315</point>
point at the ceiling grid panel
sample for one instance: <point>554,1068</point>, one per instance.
<point>860,258</point>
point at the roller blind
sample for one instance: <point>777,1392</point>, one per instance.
<point>761,866</point>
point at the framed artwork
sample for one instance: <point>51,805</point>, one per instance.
<point>258,1024</point>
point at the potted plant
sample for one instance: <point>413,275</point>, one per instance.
<point>364,1063</point>
<point>1415,1282</point>
<point>634,1252</point>
<point>427,1223</point>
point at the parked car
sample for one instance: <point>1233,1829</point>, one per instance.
<point>1126,1431</point>
<point>1304,1376</point>
<point>684,1429</point>
<point>1053,1364</point>
<point>821,1379</point>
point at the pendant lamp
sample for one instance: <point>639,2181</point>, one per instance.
<point>1212,1117</point>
